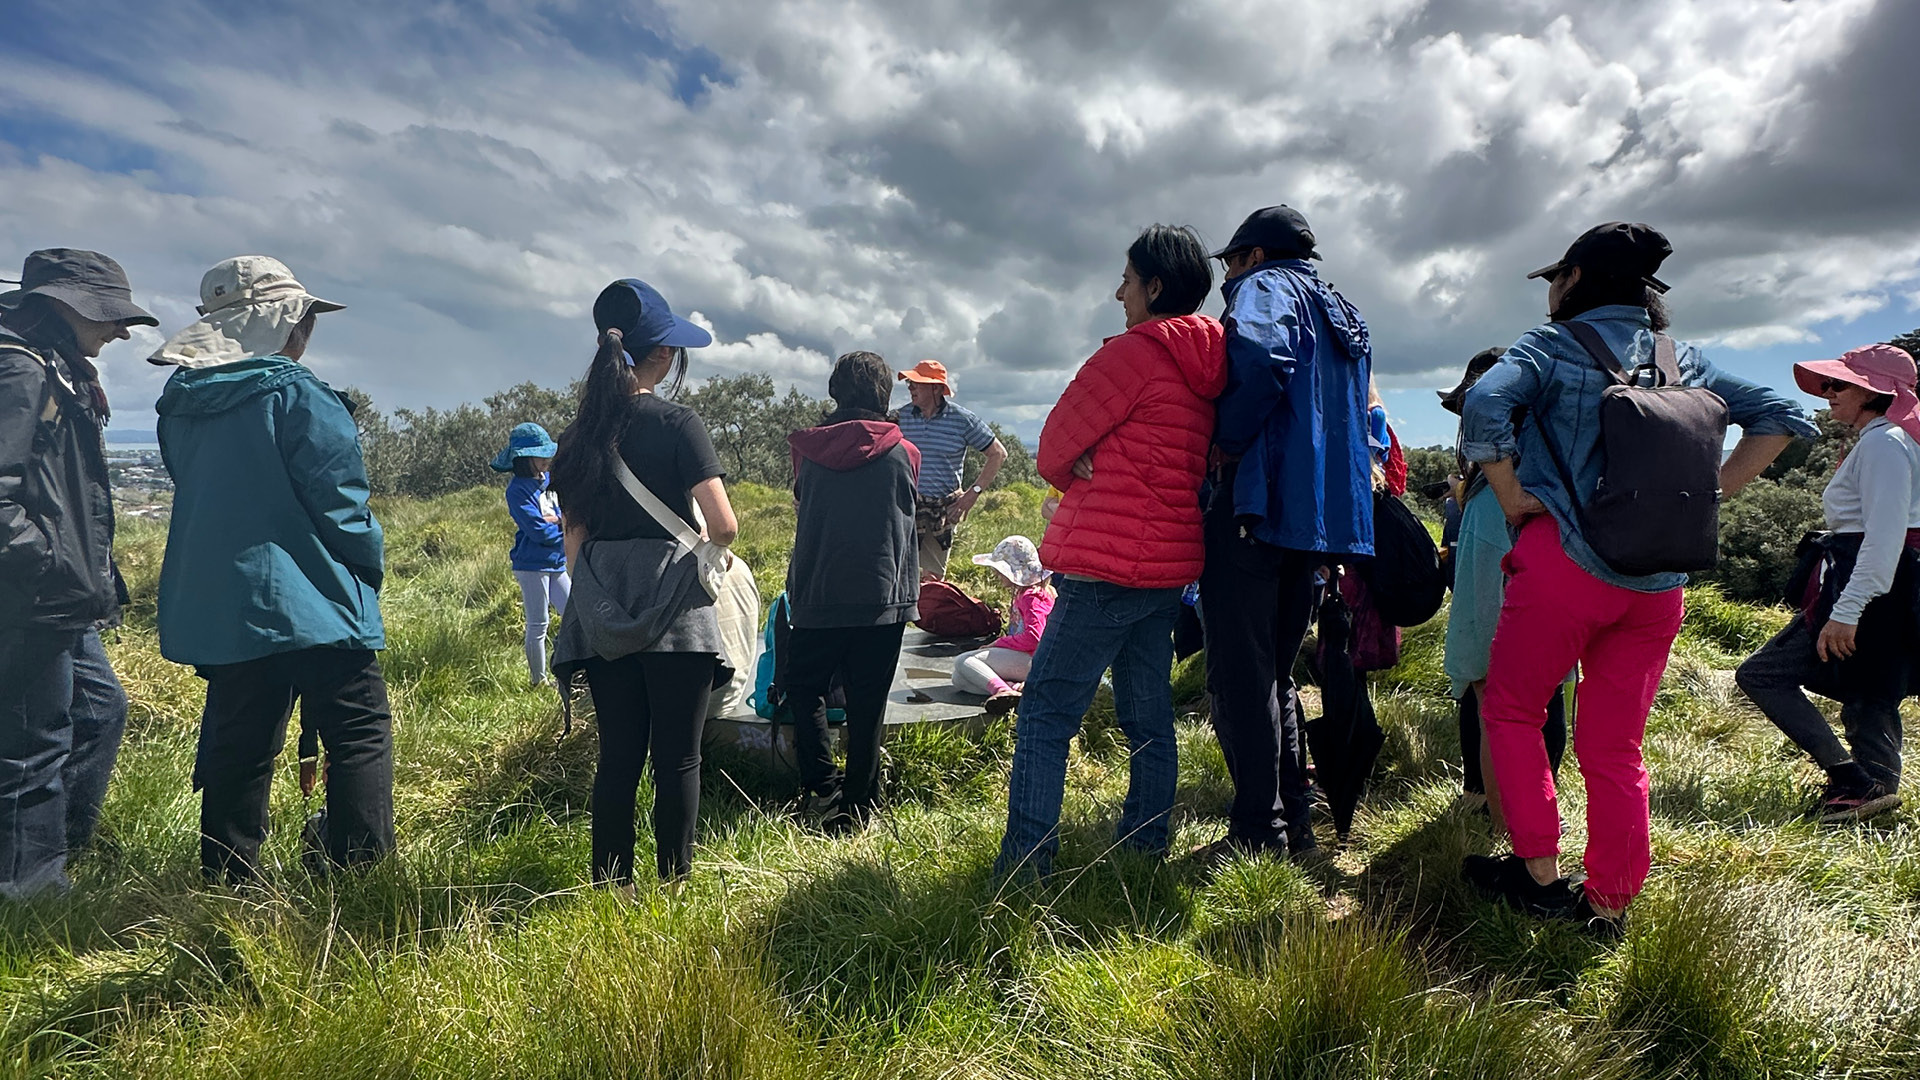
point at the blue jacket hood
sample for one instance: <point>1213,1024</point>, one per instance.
<point>1349,329</point>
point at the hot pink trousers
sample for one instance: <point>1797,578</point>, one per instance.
<point>1556,614</point>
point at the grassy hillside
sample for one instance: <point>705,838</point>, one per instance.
<point>1763,947</point>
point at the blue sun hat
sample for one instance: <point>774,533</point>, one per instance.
<point>643,318</point>
<point>527,440</point>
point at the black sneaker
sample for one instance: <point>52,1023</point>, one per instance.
<point>1507,880</point>
<point>1230,847</point>
<point>1838,808</point>
<point>1604,927</point>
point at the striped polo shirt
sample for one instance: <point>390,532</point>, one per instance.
<point>943,441</point>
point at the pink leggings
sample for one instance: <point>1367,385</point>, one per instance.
<point>1554,615</point>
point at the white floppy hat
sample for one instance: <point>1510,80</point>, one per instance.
<point>1016,560</point>
<point>248,306</point>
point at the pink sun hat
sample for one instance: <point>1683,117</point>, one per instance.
<point>1884,369</point>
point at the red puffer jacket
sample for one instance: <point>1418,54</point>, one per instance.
<point>1144,405</point>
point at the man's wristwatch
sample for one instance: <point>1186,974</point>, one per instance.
<point>974,490</point>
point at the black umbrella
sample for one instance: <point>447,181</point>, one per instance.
<point>1345,739</point>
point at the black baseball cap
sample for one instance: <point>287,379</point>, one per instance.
<point>91,284</point>
<point>1281,231</point>
<point>1617,249</point>
<point>1483,361</point>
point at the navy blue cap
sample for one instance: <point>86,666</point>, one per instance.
<point>643,318</point>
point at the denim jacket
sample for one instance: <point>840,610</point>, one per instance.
<point>1549,374</point>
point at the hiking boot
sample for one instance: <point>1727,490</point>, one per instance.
<point>1002,703</point>
<point>1842,806</point>
<point>1507,880</point>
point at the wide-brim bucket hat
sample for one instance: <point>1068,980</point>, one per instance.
<point>1883,369</point>
<point>527,440</point>
<point>91,284</point>
<point>249,304</point>
<point>1017,560</point>
<point>931,372</point>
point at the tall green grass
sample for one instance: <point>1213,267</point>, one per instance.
<point>1764,947</point>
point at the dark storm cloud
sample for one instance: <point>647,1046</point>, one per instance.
<point>951,179</point>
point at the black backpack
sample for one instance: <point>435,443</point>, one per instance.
<point>1405,580</point>
<point>1657,506</point>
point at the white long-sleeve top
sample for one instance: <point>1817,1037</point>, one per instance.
<point>1876,491</point>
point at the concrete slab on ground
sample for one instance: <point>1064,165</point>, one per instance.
<point>922,693</point>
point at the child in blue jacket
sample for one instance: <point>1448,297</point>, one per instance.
<point>539,559</point>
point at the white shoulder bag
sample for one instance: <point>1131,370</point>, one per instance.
<point>713,559</point>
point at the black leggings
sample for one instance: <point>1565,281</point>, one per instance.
<point>645,701</point>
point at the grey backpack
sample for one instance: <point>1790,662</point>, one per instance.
<point>1657,506</point>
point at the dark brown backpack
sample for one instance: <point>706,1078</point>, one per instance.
<point>1657,506</point>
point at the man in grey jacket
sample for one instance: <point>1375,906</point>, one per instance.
<point>57,580</point>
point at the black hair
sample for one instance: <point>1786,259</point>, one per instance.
<point>1595,289</point>
<point>860,386</point>
<point>582,470</point>
<point>523,466</point>
<point>1880,403</point>
<point>1174,254</point>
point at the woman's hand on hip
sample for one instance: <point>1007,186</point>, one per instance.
<point>1837,640</point>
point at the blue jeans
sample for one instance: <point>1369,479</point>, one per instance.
<point>99,716</point>
<point>1094,625</point>
<point>36,739</point>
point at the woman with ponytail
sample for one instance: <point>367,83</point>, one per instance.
<point>640,625</point>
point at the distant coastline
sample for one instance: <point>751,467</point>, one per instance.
<point>132,439</point>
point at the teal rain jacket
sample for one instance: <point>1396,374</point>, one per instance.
<point>272,547</point>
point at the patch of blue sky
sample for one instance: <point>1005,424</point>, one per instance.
<point>33,134</point>
<point>636,37</point>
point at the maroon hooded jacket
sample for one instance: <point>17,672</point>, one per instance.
<point>856,560</point>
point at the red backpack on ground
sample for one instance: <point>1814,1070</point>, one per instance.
<point>946,612</point>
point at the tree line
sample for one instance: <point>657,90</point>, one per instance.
<point>422,453</point>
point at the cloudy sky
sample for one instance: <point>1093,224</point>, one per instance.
<point>957,179</point>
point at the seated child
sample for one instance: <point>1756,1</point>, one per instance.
<point>1000,668</point>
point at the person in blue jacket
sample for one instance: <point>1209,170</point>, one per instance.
<point>539,555</point>
<point>270,584</point>
<point>1293,493</point>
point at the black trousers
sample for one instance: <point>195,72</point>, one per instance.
<point>1555,733</point>
<point>1256,603</point>
<point>648,703</point>
<point>1869,687</point>
<point>866,657</point>
<point>342,694</point>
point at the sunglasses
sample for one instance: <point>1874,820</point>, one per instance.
<point>1834,386</point>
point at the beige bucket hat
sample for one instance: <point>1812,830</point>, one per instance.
<point>248,306</point>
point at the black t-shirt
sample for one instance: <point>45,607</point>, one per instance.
<point>668,448</point>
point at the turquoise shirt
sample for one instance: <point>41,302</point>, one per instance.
<point>272,546</point>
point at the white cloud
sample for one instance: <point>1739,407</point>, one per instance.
<point>947,179</point>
